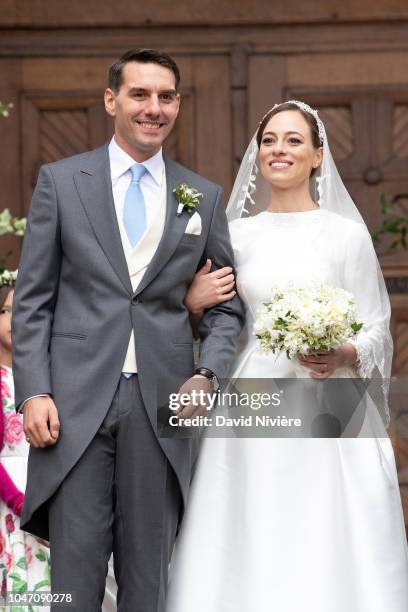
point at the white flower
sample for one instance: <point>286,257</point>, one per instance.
<point>188,198</point>
<point>10,224</point>
<point>8,278</point>
<point>303,319</point>
<point>6,222</point>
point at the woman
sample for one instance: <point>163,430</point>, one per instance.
<point>296,524</point>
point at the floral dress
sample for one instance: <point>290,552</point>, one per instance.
<point>24,563</point>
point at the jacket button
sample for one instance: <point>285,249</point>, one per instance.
<point>135,301</point>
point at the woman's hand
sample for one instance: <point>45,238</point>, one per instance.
<point>324,363</point>
<point>209,288</point>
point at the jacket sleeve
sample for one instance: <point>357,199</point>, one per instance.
<point>35,293</point>
<point>220,325</point>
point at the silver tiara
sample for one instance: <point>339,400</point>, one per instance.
<point>308,109</point>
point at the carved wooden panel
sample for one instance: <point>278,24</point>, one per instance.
<point>57,125</point>
<point>338,122</point>
<point>62,134</point>
<point>365,133</point>
<point>400,131</point>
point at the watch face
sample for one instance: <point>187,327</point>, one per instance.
<point>215,383</point>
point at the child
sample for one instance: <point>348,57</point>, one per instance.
<point>24,560</point>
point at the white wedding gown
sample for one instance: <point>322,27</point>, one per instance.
<point>293,525</point>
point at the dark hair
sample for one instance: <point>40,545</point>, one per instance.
<point>4,291</point>
<point>143,56</point>
<point>290,106</point>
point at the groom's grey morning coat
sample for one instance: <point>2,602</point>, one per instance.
<point>74,309</point>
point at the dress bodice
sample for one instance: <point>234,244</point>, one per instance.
<point>275,248</point>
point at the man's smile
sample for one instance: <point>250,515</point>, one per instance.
<point>150,125</point>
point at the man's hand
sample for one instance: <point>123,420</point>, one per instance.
<point>200,389</point>
<point>41,423</point>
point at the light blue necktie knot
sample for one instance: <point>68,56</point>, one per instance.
<point>134,209</point>
<point>137,170</point>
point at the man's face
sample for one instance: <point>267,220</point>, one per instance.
<point>145,108</point>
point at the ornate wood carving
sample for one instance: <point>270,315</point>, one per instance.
<point>400,131</point>
<point>339,128</point>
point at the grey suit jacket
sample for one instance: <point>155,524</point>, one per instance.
<point>74,309</point>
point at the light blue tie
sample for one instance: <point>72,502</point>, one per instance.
<point>134,210</point>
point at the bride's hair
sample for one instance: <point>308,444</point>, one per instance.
<point>285,107</point>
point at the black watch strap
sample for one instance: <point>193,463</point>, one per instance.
<point>208,374</point>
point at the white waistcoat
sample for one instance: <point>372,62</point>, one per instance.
<point>139,258</point>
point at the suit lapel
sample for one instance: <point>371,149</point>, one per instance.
<point>94,187</point>
<point>174,228</point>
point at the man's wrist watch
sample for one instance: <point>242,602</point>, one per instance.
<point>210,375</point>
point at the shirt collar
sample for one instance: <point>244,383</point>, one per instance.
<point>121,162</point>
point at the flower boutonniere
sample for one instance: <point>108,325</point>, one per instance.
<point>187,197</point>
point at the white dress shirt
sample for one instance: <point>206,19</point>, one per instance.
<point>153,186</point>
<point>150,183</point>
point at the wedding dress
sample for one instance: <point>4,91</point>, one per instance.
<point>294,525</point>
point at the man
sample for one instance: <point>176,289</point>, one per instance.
<point>102,335</point>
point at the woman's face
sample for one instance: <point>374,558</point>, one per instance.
<point>5,322</point>
<point>287,155</point>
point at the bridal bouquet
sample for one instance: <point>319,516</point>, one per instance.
<point>301,320</point>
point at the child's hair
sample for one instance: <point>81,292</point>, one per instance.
<point>4,291</point>
<point>7,284</point>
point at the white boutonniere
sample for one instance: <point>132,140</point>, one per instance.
<point>187,197</point>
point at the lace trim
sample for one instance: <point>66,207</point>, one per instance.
<point>364,364</point>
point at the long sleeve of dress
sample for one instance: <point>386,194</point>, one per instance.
<point>361,278</point>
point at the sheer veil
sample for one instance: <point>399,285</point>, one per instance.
<point>251,195</point>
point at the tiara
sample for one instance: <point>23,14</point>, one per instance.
<point>307,109</point>
<point>8,278</point>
